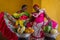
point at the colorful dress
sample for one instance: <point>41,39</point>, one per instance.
<point>6,29</point>
<point>24,17</point>
<point>23,12</point>
<point>54,25</point>
<point>37,26</point>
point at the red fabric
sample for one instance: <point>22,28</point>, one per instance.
<point>5,30</point>
<point>23,17</point>
<point>42,34</point>
<point>29,25</point>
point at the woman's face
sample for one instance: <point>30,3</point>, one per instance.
<point>36,8</point>
<point>24,9</point>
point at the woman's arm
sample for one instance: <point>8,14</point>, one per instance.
<point>46,16</point>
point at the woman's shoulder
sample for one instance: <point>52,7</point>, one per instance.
<point>42,10</point>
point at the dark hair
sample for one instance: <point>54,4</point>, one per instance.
<point>36,5</point>
<point>23,6</point>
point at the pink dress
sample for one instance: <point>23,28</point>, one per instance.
<point>54,24</point>
<point>37,26</point>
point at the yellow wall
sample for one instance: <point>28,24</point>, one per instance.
<point>53,10</point>
<point>12,6</point>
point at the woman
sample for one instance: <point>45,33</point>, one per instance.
<point>23,9</point>
<point>24,15</point>
<point>38,23</point>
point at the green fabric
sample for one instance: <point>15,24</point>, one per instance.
<point>24,13</point>
<point>15,15</point>
<point>47,29</point>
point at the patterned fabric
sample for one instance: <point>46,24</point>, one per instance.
<point>39,17</point>
<point>37,26</point>
<point>8,23</point>
<point>6,32</point>
<point>54,26</point>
